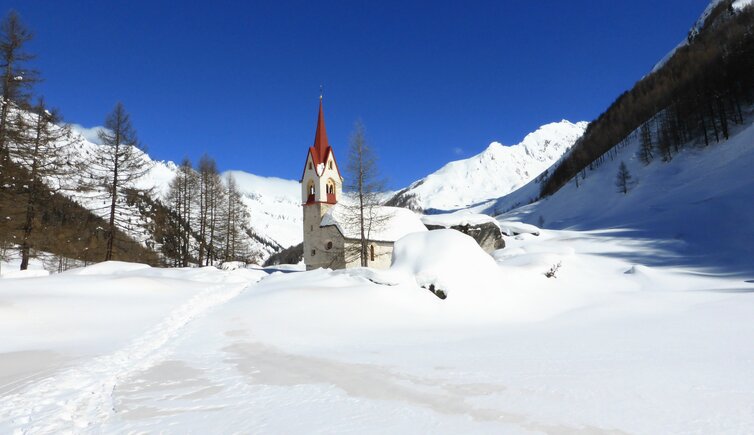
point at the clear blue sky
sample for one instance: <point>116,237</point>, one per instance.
<point>432,81</point>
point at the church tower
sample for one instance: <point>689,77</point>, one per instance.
<point>321,188</point>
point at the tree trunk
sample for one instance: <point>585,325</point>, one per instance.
<point>29,222</point>
<point>111,224</point>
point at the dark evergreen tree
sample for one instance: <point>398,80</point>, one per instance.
<point>624,180</point>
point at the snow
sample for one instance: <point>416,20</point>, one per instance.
<point>698,220</point>
<point>274,205</point>
<point>447,259</point>
<point>512,228</point>
<point>9,267</point>
<point>697,27</point>
<point>496,171</point>
<point>122,348</point>
<point>391,223</point>
<point>462,217</point>
<point>645,327</point>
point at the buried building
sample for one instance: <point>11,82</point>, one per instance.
<point>332,233</point>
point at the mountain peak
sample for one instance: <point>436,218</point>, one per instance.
<point>496,171</point>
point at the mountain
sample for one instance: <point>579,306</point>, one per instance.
<point>698,92</point>
<point>736,5</point>
<point>694,210</point>
<point>687,150</point>
<point>496,171</point>
<point>274,205</point>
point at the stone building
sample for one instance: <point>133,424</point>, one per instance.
<point>331,237</point>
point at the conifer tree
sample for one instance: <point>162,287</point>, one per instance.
<point>236,221</point>
<point>624,179</point>
<point>43,154</point>
<point>181,199</point>
<point>210,201</point>
<point>119,161</point>
<point>16,80</point>
<point>365,185</point>
<point>645,152</point>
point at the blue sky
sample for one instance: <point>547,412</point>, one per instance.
<point>432,81</point>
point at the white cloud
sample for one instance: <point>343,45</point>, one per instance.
<point>458,151</point>
<point>88,133</point>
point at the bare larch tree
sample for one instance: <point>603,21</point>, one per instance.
<point>120,162</point>
<point>43,153</point>
<point>623,180</point>
<point>364,184</point>
<point>16,80</point>
<point>181,199</point>
<point>236,220</point>
<point>210,201</point>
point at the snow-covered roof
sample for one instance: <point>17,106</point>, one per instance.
<point>448,220</point>
<point>510,228</point>
<point>394,222</point>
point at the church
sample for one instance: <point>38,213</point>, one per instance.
<point>331,234</point>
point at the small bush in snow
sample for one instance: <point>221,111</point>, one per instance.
<point>553,270</point>
<point>437,292</point>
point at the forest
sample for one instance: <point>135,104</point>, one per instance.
<point>695,97</point>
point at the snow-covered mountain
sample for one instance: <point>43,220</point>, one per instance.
<point>737,5</point>
<point>495,172</point>
<point>694,210</point>
<point>273,203</point>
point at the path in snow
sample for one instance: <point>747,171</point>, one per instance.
<point>81,396</point>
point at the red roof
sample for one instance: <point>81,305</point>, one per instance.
<point>321,148</point>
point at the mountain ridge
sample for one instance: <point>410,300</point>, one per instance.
<point>495,172</point>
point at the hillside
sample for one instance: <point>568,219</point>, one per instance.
<point>492,173</point>
<point>79,210</point>
<point>695,210</point>
<point>64,227</point>
<point>275,206</point>
<point>697,91</point>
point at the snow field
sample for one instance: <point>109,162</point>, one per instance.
<point>75,395</point>
<point>607,345</point>
<point>681,216</point>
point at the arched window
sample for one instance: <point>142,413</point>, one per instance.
<point>313,252</point>
<point>328,246</point>
<point>330,190</point>
<point>310,165</point>
<point>310,191</point>
<point>371,252</point>
<point>330,164</point>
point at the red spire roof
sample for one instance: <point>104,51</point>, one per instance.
<point>321,148</point>
<point>321,145</point>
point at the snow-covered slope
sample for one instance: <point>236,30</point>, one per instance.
<point>494,172</point>
<point>699,206</point>
<point>698,25</point>
<point>274,205</point>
